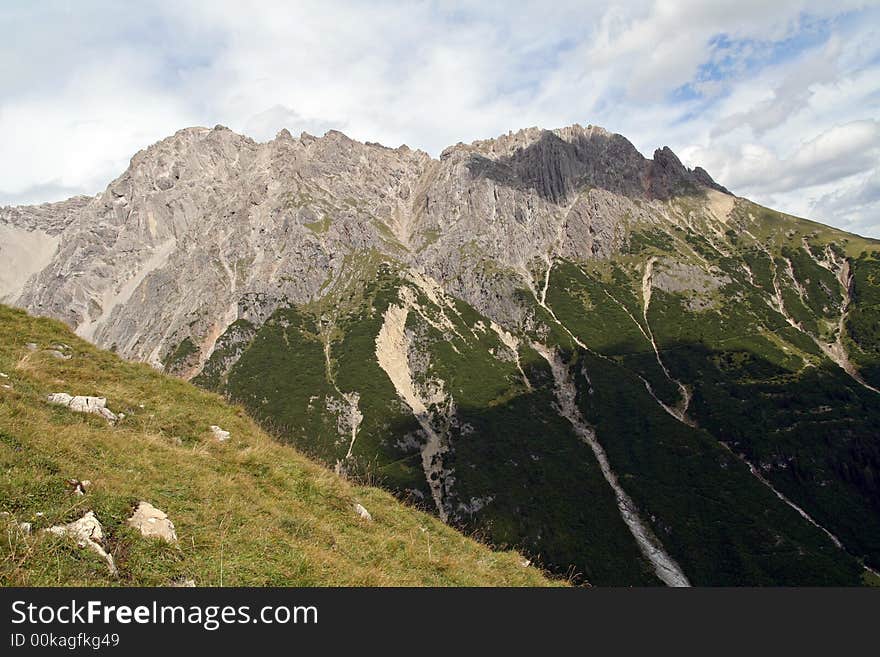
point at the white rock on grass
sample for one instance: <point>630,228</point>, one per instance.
<point>82,404</point>
<point>58,354</point>
<point>183,583</point>
<point>3,375</point>
<point>23,527</point>
<point>362,512</point>
<point>87,532</point>
<point>219,433</point>
<point>79,487</point>
<point>152,522</point>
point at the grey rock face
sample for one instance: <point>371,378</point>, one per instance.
<point>555,165</point>
<point>208,227</point>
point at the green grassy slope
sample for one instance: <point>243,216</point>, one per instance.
<point>248,511</point>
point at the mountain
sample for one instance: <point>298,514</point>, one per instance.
<point>607,361</point>
<point>246,511</point>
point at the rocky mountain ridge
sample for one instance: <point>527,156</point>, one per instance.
<point>218,191</point>
<point>544,336</point>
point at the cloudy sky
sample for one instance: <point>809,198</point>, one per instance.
<point>777,99</point>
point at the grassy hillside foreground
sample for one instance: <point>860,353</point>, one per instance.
<point>248,511</point>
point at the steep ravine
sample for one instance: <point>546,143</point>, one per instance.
<point>392,352</point>
<point>665,567</point>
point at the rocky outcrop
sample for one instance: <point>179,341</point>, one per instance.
<point>669,178</point>
<point>84,404</point>
<point>152,523</point>
<point>703,178</point>
<point>87,532</point>
<point>556,164</point>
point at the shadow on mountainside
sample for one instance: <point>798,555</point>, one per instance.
<point>538,486</point>
<point>556,169</point>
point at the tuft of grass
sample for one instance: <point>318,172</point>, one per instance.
<point>319,227</point>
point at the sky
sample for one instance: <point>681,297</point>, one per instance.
<point>778,99</point>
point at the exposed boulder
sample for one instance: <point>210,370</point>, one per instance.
<point>83,404</point>
<point>362,512</point>
<point>219,433</point>
<point>87,532</point>
<point>152,522</point>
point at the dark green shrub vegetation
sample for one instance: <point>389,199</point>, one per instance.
<point>180,354</point>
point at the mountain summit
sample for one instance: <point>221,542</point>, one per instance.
<point>607,361</point>
<point>204,201</point>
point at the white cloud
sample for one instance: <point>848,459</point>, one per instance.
<point>780,107</point>
<point>834,155</point>
<point>855,206</point>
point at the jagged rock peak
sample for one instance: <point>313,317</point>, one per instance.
<point>506,145</point>
<point>558,163</point>
<point>669,176</point>
<point>557,159</point>
<point>555,162</point>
